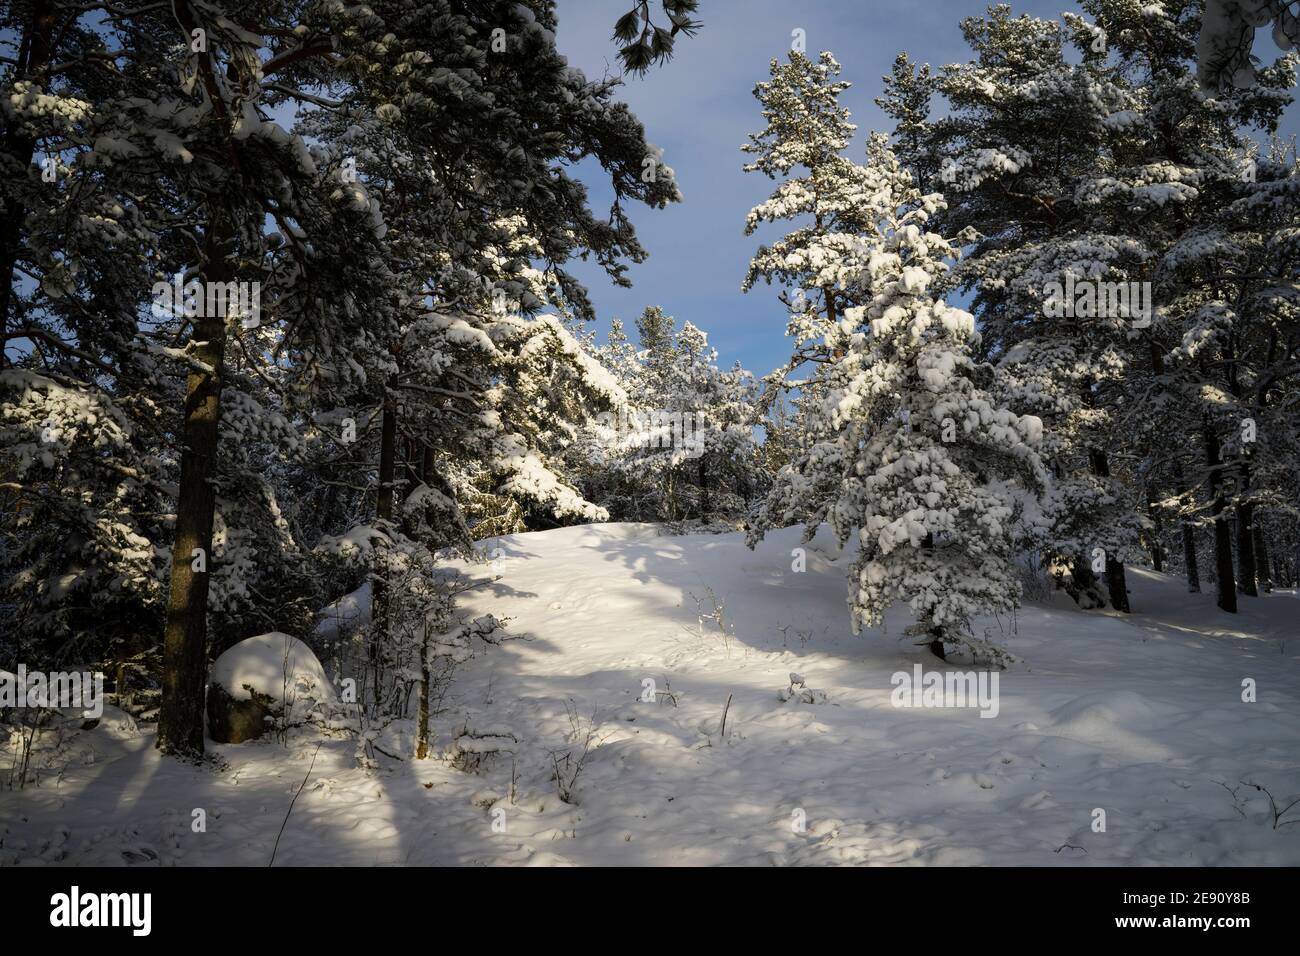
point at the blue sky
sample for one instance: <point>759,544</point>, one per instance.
<point>699,109</point>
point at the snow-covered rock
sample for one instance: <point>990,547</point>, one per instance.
<point>274,664</point>
<point>261,678</point>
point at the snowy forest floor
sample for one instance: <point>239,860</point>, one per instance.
<point>1140,715</point>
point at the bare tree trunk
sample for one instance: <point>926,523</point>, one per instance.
<point>387,460</point>
<point>1246,538</point>
<point>1261,557</point>
<point>180,718</point>
<point>423,472</point>
<point>1157,536</point>
<point>1225,589</point>
<point>384,515</point>
<point>1190,564</point>
<point>1189,559</point>
<point>422,716</point>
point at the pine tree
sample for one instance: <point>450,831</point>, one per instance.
<point>682,446</point>
<point>927,472</point>
<point>909,90</point>
<point>427,176</point>
<point>1096,201</point>
<point>836,201</point>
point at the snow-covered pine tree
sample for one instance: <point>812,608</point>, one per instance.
<point>932,471</point>
<point>806,132</point>
<point>683,445</point>
<point>1235,371</point>
<point>1010,170</point>
<point>485,392</point>
<point>184,170</point>
<point>1097,200</point>
<point>902,446</point>
<point>161,175</point>
<point>908,91</point>
<point>832,201</point>
<point>84,494</point>
<point>718,475</point>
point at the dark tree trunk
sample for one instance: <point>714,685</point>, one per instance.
<point>1246,539</point>
<point>422,716</point>
<point>1189,559</point>
<point>423,473</point>
<point>180,718</point>
<point>1261,557</point>
<point>1246,571</point>
<point>1157,535</point>
<point>936,630</point>
<point>387,460</point>
<point>1190,564</point>
<point>1225,589</point>
<point>384,516</point>
<point>1117,584</point>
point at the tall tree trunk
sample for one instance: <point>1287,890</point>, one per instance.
<point>422,715</point>
<point>180,718</point>
<point>1246,538</point>
<point>1190,565</point>
<point>387,460</point>
<point>1246,571</point>
<point>1189,559</point>
<point>423,472</point>
<point>1116,579</point>
<point>384,515</point>
<point>1225,589</point>
<point>1261,557</point>
<point>1157,535</point>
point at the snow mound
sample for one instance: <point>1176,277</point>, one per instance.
<point>274,664</point>
<point>342,617</point>
<point>1103,711</point>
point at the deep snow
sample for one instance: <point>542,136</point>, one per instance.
<point>1139,715</point>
